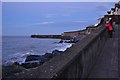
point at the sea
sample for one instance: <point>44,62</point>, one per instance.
<point>17,48</point>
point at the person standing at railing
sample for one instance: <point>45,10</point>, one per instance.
<point>109,26</point>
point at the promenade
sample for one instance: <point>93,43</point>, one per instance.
<point>108,62</point>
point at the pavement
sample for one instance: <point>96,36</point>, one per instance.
<point>107,66</point>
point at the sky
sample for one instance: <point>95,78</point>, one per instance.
<point>59,0</point>
<point>26,18</point>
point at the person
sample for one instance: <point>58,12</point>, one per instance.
<point>109,26</point>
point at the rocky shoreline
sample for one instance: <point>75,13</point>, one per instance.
<point>31,61</point>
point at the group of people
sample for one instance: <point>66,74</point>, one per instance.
<point>112,18</point>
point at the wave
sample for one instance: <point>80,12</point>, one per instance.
<point>17,57</point>
<point>21,56</point>
<point>62,46</point>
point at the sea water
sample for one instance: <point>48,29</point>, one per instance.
<point>16,49</point>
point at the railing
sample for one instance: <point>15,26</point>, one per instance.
<point>75,62</point>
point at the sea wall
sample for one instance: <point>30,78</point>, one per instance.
<point>75,62</point>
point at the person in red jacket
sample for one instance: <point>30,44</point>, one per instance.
<point>109,27</point>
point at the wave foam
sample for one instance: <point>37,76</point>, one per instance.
<point>17,57</point>
<point>63,46</point>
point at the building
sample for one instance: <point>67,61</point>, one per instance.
<point>117,8</point>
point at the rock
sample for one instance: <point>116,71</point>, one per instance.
<point>34,61</point>
<point>16,63</point>
<point>48,55</point>
<point>11,70</point>
<point>39,58</point>
<point>32,57</point>
<point>31,64</point>
<point>74,40</point>
<point>57,52</point>
<point>61,41</point>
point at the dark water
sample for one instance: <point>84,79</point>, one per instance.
<point>17,48</point>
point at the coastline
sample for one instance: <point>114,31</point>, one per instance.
<point>19,67</point>
<point>29,46</point>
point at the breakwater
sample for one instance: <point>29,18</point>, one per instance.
<point>51,36</point>
<point>46,36</point>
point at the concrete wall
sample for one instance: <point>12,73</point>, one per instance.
<point>75,62</point>
<point>89,51</point>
